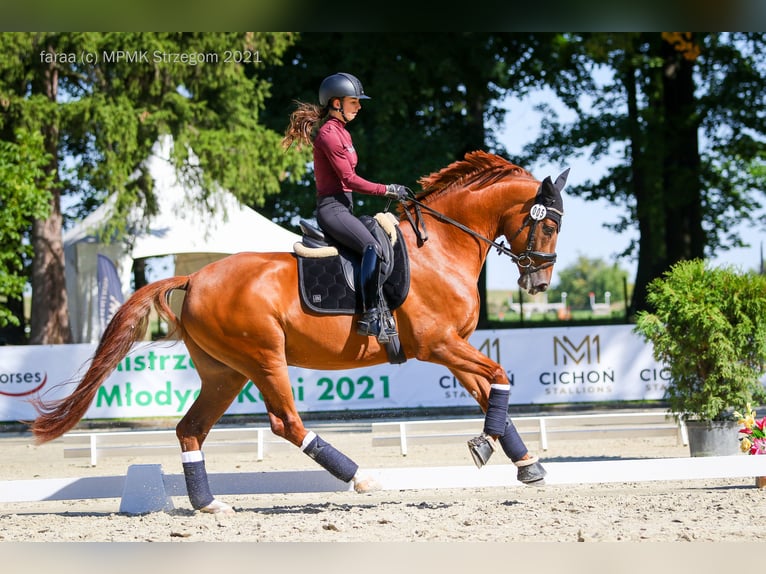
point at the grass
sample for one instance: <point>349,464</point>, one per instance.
<point>498,311</point>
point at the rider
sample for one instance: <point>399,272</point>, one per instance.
<point>335,162</point>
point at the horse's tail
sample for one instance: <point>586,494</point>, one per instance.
<point>128,326</point>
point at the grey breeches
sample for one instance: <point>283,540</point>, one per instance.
<point>335,216</point>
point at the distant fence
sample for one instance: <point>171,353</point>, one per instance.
<point>260,440</point>
<point>540,428</point>
<point>100,444</point>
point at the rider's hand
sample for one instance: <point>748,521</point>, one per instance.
<point>396,191</point>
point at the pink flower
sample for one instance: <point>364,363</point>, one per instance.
<point>759,446</point>
<point>752,435</point>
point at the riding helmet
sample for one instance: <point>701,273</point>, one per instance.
<point>340,85</point>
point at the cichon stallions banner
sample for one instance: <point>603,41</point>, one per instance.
<point>544,366</point>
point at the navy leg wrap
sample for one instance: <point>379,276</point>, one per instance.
<point>330,458</point>
<point>497,410</point>
<point>511,442</point>
<point>197,485</point>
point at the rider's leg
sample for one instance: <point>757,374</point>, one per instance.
<point>370,323</point>
<point>336,218</point>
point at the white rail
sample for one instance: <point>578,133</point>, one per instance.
<point>542,428</point>
<point>98,444</point>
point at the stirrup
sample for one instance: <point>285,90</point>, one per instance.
<point>387,327</point>
<point>369,324</point>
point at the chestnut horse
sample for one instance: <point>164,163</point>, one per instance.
<point>242,320</point>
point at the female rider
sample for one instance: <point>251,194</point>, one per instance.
<point>335,174</point>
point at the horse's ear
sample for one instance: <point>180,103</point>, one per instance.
<point>549,195</point>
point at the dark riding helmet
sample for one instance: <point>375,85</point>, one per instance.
<point>340,85</point>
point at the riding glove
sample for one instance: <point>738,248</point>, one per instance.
<point>396,191</point>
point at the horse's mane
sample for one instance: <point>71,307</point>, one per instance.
<point>478,168</point>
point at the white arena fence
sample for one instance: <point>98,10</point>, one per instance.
<point>101,444</point>
<point>260,440</point>
<point>534,428</point>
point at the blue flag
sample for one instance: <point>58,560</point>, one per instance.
<point>109,290</point>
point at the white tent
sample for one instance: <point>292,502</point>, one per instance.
<point>193,236</point>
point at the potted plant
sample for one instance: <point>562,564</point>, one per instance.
<point>709,328</point>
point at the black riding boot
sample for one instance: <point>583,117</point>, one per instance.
<point>369,324</point>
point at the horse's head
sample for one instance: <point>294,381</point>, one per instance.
<point>534,243</point>
<point>532,228</point>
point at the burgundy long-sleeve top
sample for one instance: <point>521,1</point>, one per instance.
<point>335,162</point>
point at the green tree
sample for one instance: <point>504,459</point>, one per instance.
<point>679,109</point>
<point>22,199</point>
<point>589,275</point>
<point>100,102</point>
<point>434,98</point>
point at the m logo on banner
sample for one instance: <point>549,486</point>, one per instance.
<point>566,351</point>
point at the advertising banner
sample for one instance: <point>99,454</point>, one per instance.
<point>544,366</point>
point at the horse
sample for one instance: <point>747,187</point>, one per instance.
<point>241,319</point>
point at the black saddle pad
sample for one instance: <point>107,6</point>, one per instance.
<point>330,284</point>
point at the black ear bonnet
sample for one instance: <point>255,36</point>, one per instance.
<point>548,202</point>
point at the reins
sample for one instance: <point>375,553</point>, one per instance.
<point>525,260</point>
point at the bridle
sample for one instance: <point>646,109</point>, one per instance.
<point>525,260</point>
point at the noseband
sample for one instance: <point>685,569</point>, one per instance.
<point>525,260</point>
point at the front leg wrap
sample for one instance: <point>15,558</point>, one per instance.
<point>329,458</point>
<point>497,410</point>
<point>482,447</point>
<point>511,442</point>
<point>530,471</point>
<point>197,485</point>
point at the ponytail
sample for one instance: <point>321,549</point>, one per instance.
<point>302,123</point>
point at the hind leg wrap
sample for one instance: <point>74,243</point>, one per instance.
<point>197,485</point>
<point>497,410</point>
<point>329,458</point>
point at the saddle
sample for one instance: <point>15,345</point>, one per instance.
<point>329,275</point>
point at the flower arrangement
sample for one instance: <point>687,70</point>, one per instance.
<point>752,435</point>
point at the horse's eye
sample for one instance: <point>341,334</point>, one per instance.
<point>548,229</point>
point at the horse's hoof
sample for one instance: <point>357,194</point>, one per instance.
<point>366,484</point>
<point>481,448</point>
<point>530,472</point>
<point>218,507</point>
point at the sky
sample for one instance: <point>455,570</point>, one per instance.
<point>582,231</point>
